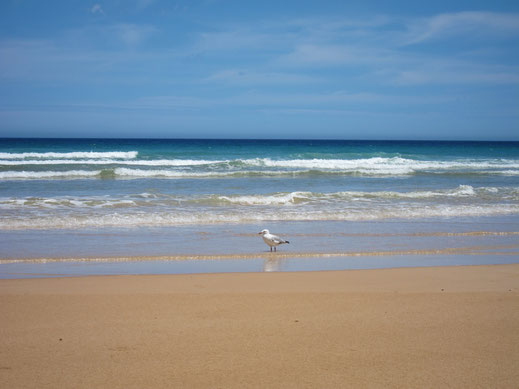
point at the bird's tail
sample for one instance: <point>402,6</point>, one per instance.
<point>286,241</point>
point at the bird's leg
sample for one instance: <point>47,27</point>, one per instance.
<point>270,248</point>
<point>275,248</point>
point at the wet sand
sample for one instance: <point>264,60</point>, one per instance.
<point>387,328</point>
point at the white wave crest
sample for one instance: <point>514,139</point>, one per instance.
<point>376,165</point>
<point>186,168</point>
<point>136,173</point>
<point>47,174</point>
<point>346,196</point>
<point>273,199</point>
<point>325,200</point>
<point>174,218</point>
<point>163,173</point>
<point>157,162</point>
<point>460,191</point>
<point>74,154</point>
<point>385,166</point>
<point>329,198</point>
<point>142,173</point>
<point>509,172</point>
<point>67,202</point>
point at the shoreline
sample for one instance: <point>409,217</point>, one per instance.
<point>500,269</point>
<point>450,326</point>
<point>472,250</point>
<point>267,262</point>
<point>236,242</point>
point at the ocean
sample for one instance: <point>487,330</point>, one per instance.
<point>125,198</point>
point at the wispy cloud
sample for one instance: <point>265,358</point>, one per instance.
<point>252,77</point>
<point>141,4</point>
<point>335,55</point>
<point>132,34</point>
<point>25,60</point>
<point>456,75</point>
<point>312,54</point>
<point>339,101</point>
<point>475,24</point>
<point>239,38</point>
<point>97,9</point>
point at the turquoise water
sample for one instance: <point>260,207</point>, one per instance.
<point>130,183</point>
<point>73,197</point>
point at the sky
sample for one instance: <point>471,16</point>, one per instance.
<point>260,69</point>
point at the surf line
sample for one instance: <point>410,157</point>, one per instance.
<point>418,234</point>
<point>472,250</point>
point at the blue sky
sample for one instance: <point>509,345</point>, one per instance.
<point>263,69</point>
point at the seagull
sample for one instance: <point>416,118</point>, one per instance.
<point>272,240</point>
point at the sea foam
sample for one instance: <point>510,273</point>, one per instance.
<point>74,154</point>
<point>125,165</point>
<point>204,217</point>
<point>333,200</point>
<point>158,162</point>
<point>48,174</point>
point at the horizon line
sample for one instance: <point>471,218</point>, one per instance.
<point>255,139</point>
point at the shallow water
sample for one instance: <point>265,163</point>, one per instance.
<point>238,247</point>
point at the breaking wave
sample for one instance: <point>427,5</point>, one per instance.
<point>395,163</point>
<point>75,154</point>
<point>484,194</point>
<point>126,165</point>
<point>175,218</point>
<point>141,173</point>
<point>302,197</point>
<point>48,174</point>
<point>157,162</point>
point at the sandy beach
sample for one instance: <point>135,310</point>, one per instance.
<point>453,327</point>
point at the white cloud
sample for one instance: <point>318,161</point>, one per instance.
<point>325,100</point>
<point>141,4</point>
<point>332,55</point>
<point>251,77</point>
<point>96,8</point>
<point>474,23</point>
<point>311,53</point>
<point>319,55</point>
<point>48,61</point>
<point>132,34</point>
<point>338,102</point>
<point>450,76</point>
<point>236,39</point>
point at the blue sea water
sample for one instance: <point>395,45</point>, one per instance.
<point>83,190</point>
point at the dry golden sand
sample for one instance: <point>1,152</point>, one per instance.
<point>453,327</point>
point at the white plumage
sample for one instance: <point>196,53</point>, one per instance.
<point>272,240</point>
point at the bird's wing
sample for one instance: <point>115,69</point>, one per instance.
<point>277,239</point>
